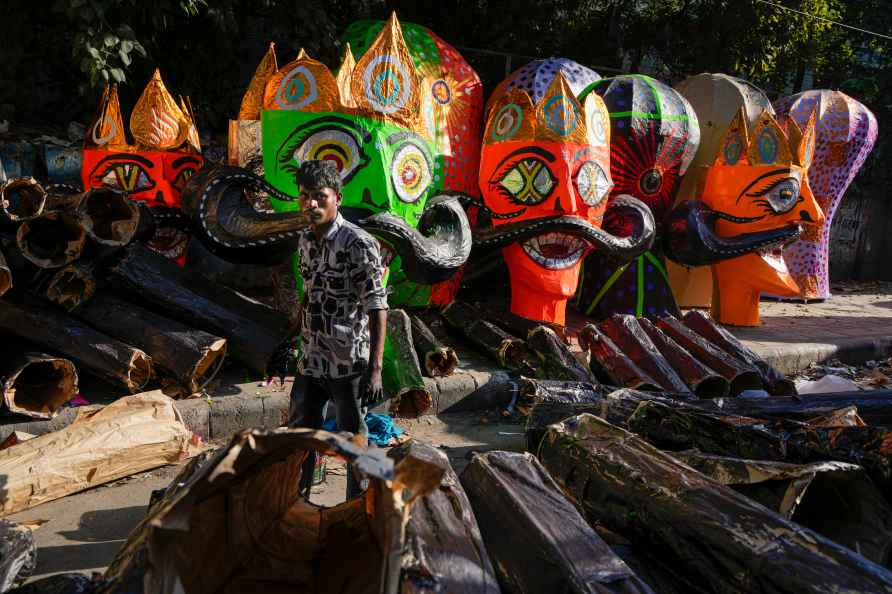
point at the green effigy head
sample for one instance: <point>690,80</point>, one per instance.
<point>384,167</point>
<point>401,121</point>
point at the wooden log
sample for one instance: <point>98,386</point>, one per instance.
<point>72,285</point>
<point>627,334</point>
<point>705,382</point>
<point>59,332</point>
<point>742,376</point>
<point>516,502</point>
<point>5,275</point>
<point>507,350</point>
<point>874,406</point>
<point>401,373</point>
<point>774,380</point>
<point>253,331</point>
<point>707,534</point>
<point>110,218</point>
<point>550,402</point>
<point>556,361</point>
<point>497,393</point>
<point>32,383</point>
<point>21,199</point>
<point>861,519</point>
<point>515,324</point>
<point>674,428</point>
<point>192,357</point>
<point>439,360</point>
<point>532,391</point>
<point>610,364</point>
<point>445,551</point>
<point>51,240</point>
<point>62,198</point>
<point>547,402</point>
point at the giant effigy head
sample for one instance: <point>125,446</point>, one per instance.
<point>754,198</point>
<point>653,139</point>
<point>398,121</point>
<point>545,179</point>
<point>845,132</point>
<point>155,168</point>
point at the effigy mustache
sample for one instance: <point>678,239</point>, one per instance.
<point>691,239</point>
<point>225,220</point>
<point>435,250</point>
<point>630,209</point>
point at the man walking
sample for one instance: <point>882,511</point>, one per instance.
<point>343,314</point>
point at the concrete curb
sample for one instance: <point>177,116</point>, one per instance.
<point>226,415</point>
<point>793,357</point>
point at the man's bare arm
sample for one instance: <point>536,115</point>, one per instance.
<point>377,335</point>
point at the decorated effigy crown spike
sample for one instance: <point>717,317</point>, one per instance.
<point>735,144</point>
<point>304,84</point>
<point>385,81</point>
<point>345,75</point>
<point>512,117</point>
<point>191,129</point>
<point>768,143</point>
<point>157,122</point>
<point>559,115</point>
<point>107,130</point>
<point>252,101</point>
<point>803,146</point>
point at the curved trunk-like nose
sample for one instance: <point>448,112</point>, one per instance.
<point>434,251</point>
<point>690,237</point>
<point>227,223</point>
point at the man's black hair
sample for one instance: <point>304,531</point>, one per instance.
<point>319,174</point>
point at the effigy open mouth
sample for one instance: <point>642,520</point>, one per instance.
<point>560,241</point>
<point>555,251</point>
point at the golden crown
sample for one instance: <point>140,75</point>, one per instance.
<point>156,123</point>
<point>558,116</point>
<point>384,84</point>
<point>768,144</point>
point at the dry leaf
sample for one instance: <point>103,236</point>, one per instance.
<point>33,524</point>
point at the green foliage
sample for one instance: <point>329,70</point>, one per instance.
<point>209,49</point>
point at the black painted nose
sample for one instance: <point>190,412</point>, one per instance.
<point>806,217</point>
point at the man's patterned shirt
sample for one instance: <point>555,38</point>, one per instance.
<point>343,281</point>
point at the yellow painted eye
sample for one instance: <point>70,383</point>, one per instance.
<point>528,182</point>
<point>129,177</point>
<point>331,145</point>
<point>411,173</point>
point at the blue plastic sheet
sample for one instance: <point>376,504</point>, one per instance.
<point>381,428</point>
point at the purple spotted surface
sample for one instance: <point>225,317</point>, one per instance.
<point>845,132</point>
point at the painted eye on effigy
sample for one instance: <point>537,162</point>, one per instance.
<point>124,173</point>
<point>592,183</point>
<point>332,145</point>
<point>777,197</point>
<point>336,140</point>
<point>528,182</point>
<point>185,168</point>
<point>650,182</point>
<point>410,172</point>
